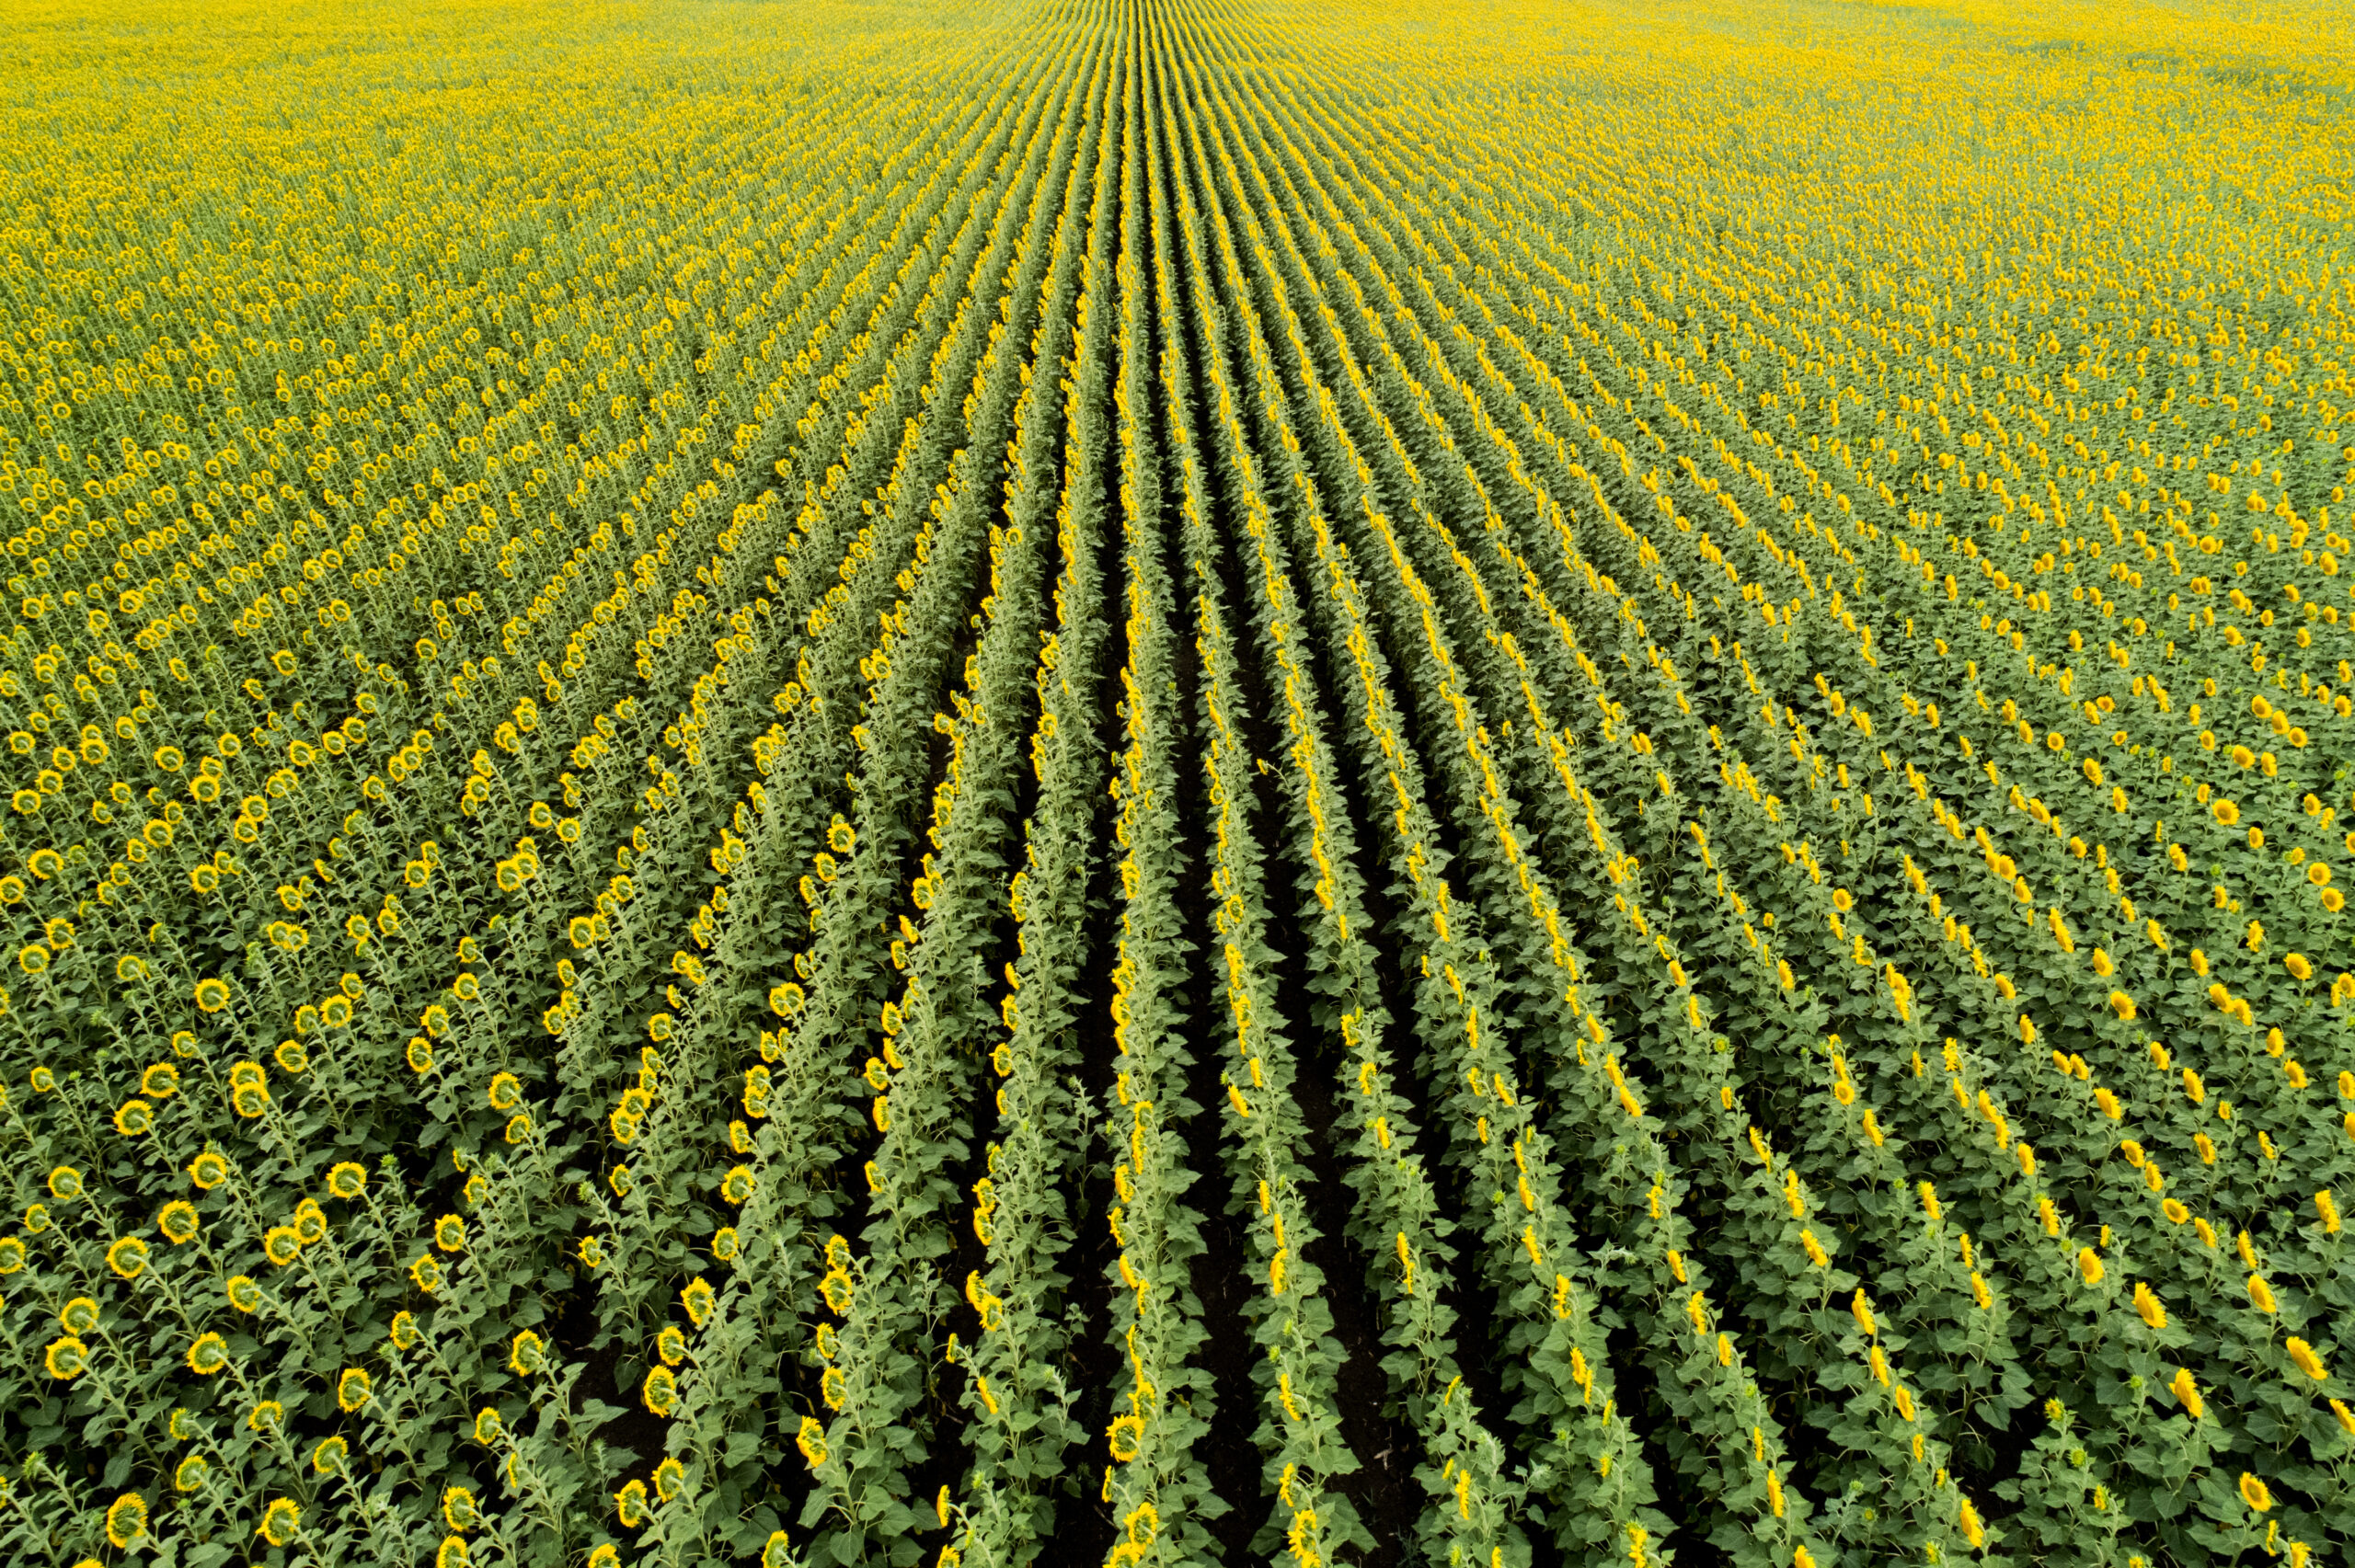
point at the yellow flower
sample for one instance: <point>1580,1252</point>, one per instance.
<point>2188,1393</point>
<point>2253,1492</point>
<point>2308,1362</point>
<point>126,1520</point>
<point>2089,1266</point>
<point>2260,1294</point>
<point>282,1521</point>
<point>1966,1518</point>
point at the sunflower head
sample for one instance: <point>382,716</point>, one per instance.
<point>282,1521</point>
<point>126,1520</point>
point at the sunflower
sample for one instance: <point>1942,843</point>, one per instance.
<point>126,1520</point>
<point>66,1357</point>
<point>811,1441</point>
<point>282,1521</point>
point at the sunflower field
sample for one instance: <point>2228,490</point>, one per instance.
<point>1153,782</point>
